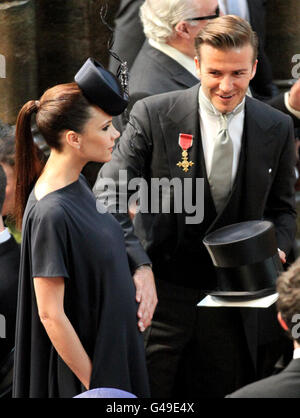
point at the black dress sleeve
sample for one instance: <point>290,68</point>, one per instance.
<point>49,241</point>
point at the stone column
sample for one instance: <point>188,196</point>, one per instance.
<point>283,38</point>
<point>18,57</point>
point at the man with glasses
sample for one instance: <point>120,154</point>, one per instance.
<point>166,60</point>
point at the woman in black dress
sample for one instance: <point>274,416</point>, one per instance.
<point>77,325</point>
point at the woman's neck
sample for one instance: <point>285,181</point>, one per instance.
<point>59,171</point>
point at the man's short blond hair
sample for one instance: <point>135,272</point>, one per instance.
<point>227,32</point>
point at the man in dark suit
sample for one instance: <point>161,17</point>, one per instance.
<point>9,268</point>
<point>287,383</point>
<point>289,102</point>
<point>128,35</point>
<point>164,62</point>
<point>171,138</point>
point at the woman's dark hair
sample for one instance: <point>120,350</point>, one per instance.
<point>62,107</point>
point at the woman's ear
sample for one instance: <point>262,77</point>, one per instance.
<point>73,139</point>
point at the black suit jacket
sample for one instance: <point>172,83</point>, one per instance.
<point>283,385</point>
<point>128,35</point>
<point>149,149</point>
<point>262,86</point>
<point>154,72</point>
<point>9,270</point>
<point>278,103</point>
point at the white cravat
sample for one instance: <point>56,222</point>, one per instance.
<point>209,129</point>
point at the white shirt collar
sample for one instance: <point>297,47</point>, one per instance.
<point>4,236</point>
<point>296,353</point>
<point>182,59</point>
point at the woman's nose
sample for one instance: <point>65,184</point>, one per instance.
<point>115,133</point>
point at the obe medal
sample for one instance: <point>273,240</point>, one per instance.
<point>185,142</point>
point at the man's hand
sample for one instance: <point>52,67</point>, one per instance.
<point>294,97</point>
<point>282,256</point>
<point>145,295</point>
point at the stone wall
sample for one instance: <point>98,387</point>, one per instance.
<point>43,43</point>
<point>17,45</point>
<point>283,37</point>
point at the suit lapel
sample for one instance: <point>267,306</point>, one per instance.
<point>261,135</point>
<point>183,117</point>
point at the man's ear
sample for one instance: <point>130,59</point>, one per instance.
<point>181,30</point>
<point>254,69</point>
<point>73,139</point>
<point>282,322</point>
<point>197,65</point>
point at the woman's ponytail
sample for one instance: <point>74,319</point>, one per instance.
<point>28,162</point>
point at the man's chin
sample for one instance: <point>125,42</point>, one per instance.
<point>224,107</point>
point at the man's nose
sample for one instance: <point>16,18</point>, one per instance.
<point>226,84</point>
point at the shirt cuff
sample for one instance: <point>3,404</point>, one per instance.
<point>4,236</point>
<point>289,107</point>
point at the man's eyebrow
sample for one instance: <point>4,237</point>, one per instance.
<point>219,70</point>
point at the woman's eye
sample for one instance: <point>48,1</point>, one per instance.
<point>105,128</point>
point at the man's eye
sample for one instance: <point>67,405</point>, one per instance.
<point>105,128</point>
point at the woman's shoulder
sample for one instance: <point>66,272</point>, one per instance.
<point>49,208</point>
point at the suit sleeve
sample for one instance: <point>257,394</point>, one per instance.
<point>280,205</point>
<point>130,160</point>
<point>278,103</point>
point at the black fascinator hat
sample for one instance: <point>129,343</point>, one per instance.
<point>101,87</point>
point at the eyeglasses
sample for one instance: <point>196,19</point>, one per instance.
<point>207,17</point>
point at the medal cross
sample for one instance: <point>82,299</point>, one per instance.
<point>185,164</point>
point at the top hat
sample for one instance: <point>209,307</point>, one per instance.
<point>101,87</point>
<point>246,259</point>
